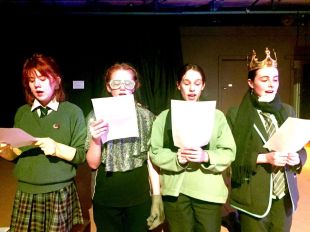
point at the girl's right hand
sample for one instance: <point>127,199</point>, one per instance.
<point>98,128</point>
<point>4,148</point>
<point>181,157</point>
<point>277,158</point>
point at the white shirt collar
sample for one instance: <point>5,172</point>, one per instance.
<point>53,104</point>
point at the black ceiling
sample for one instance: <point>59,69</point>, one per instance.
<point>185,12</point>
<point>152,6</point>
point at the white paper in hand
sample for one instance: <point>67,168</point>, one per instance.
<point>120,113</point>
<point>16,137</point>
<point>192,122</point>
<point>293,135</point>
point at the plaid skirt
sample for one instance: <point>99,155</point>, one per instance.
<point>53,211</point>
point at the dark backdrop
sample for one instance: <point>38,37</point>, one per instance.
<point>305,93</point>
<point>84,46</point>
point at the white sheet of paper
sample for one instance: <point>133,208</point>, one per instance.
<point>192,122</point>
<point>16,137</point>
<point>293,135</point>
<point>120,113</point>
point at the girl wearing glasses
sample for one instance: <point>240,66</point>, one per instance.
<point>121,199</point>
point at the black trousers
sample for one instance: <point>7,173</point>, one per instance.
<point>122,219</point>
<point>279,218</point>
<point>187,214</point>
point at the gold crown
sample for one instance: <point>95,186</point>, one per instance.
<point>267,62</point>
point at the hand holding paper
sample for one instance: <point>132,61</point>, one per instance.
<point>47,145</point>
<point>181,157</point>
<point>16,137</point>
<point>293,159</point>
<point>293,135</point>
<point>8,152</point>
<point>52,148</point>
<point>277,158</point>
<point>4,148</point>
<point>195,155</point>
<point>120,113</point>
<point>99,129</point>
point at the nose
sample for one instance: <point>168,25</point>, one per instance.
<point>122,86</point>
<point>37,82</point>
<point>192,87</point>
<point>270,83</point>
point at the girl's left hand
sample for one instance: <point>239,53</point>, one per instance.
<point>4,148</point>
<point>293,159</point>
<point>47,145</point>
<point>196,155</point>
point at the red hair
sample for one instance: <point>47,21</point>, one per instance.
<point>122,66</point>
<point>46,66</point>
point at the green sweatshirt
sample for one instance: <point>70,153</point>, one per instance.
<point>203,181</point>
<point>36,172</point>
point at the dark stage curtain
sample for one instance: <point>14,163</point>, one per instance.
<point>155,52</point>
<point>84,46</point>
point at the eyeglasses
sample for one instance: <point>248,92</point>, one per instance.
<point>128,84</point>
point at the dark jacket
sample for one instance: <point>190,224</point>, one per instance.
<point>254,196</point>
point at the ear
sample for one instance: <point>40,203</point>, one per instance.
<point>250,83</point>
<point>178,86</point>
<point>108,88</point>
<point>58,82</point>
<point>203,86</point>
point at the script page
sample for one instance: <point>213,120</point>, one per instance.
<point>293,135</point>
<point>120,113</point>
<point>192,122</point>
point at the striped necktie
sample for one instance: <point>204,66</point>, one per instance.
<point>278,172</point>
<point>44,111</point>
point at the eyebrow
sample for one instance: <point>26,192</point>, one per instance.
<point>190,80</point>
<point>266,76</point>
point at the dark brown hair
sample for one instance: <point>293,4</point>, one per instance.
<point>252,74</point>
<point>194,67</point>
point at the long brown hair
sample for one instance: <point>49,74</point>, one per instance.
<point>47,67</point>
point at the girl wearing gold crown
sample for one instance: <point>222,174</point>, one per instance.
<point>264,185</point>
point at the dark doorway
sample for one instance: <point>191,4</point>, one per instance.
<point>305,93</point>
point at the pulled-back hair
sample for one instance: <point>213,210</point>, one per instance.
<point>194,67</point>
<point>122,66</point>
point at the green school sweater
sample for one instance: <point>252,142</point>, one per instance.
<point>36,172</point>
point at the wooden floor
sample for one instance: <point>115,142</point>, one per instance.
<point>301,218</point>
<point>7,191</point>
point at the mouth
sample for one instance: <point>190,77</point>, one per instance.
<point>39,92</point>
<point>191,96</point>
<point>269,91</point>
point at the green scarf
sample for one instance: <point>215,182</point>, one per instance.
<point>242,131</point>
